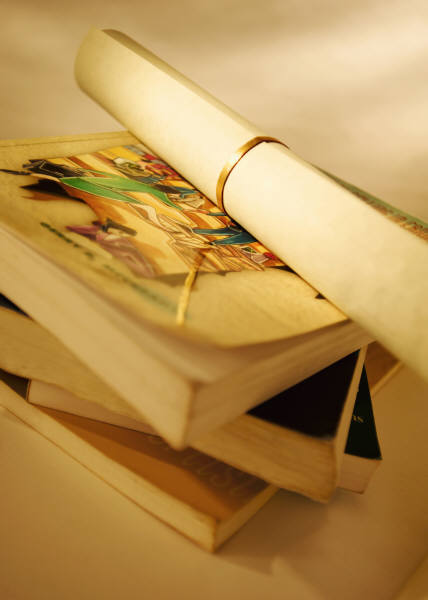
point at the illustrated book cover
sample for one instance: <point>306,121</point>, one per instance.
<point>197,331</point>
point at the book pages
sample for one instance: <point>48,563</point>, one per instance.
<point>347,248</point>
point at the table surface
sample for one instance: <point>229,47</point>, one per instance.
<point>344,84</point>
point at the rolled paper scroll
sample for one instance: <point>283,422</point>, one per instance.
<point>361,260</point>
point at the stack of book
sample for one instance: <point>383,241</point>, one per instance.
<point>156,340</point>
<point>310,438</point>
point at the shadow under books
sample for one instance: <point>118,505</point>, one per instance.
<point>285,531</point>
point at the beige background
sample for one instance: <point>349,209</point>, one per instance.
<point>345,85</point>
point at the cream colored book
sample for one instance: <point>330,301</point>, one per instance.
<point>202,498</point>
<point>119,258</point>
<point>52,396</point>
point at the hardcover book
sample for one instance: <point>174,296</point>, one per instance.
<point>362,451</point>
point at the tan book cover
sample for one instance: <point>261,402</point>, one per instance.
<point>201,497</point>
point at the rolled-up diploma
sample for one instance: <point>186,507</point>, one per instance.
<point>362,261</point>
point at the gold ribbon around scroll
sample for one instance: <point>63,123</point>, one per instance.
<point>233,161</point>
